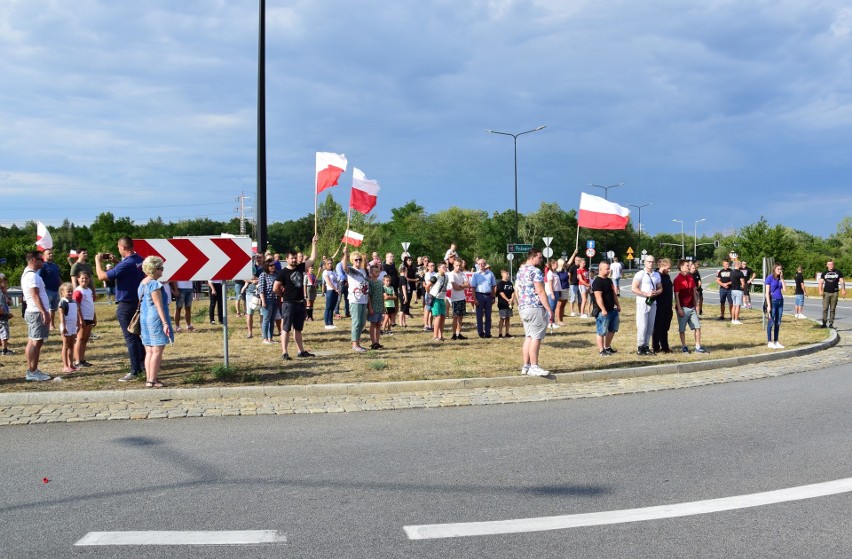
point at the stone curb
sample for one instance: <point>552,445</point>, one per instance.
<point>370,388</point>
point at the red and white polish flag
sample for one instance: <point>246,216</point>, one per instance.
<point>353,238</point>
<point>329,168</point>
<point>365,192</point>
<point>598,213</point>
<point>43,239</point>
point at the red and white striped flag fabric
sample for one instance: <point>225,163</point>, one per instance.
<point>353,238</point>
<point>43,239</point>
<point>329,168</point>
<point>598,213</point>
<point>364,192</point>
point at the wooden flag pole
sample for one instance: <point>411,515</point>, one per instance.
<point>348,219</point>
<point>577,244</point>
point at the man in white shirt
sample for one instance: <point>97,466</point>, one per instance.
<point>37,315</point>
<point>647,284</point>
<point>457,282</point>
<point>615,274</point>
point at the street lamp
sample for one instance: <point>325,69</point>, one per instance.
<point>639,207</point>
<point>606,188</point>
<point>682,239</point>
<point>515,138</point>
<point>695,237</point>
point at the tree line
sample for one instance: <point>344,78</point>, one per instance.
<point>475,232</point>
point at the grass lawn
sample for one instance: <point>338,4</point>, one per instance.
<point>196,358</point>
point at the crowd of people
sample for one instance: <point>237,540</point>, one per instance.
<point>377,296</point>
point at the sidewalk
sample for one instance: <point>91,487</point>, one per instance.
<point>68,407</point>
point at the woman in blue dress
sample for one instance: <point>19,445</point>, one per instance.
<point>154,319</point>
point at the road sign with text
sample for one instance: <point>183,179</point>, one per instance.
<point>200,258</point>
<point>518,247</point>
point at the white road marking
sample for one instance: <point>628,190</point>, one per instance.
<point>521,525</point>
<point>234,537</point>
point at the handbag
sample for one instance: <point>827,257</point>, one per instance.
<point>134,327</point>
<point>254,302</point>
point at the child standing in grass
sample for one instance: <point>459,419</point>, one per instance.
<point>5,315</point>
<point>69,324</point>
<point>86,309</point>
<point>505,302</point>
<point>310,292</point>
<point>390,304</point>
<point>375,307</point>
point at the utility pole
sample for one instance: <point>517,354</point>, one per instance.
<point>242,208</point>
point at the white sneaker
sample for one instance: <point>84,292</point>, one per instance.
<point>584,315</point>
<point>536,371</point>
<point>778,345</point>
<point>736,322</point>
<point>37,376</point>
<point>573,314</point>
<point>330,326</point>
<point>771,345</point>
<point>554,325</point>
<point>525,370</point>
<point>802,316</point>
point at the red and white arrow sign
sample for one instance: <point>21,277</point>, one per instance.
<point>200,258</point>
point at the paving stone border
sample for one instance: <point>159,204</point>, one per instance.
<point>52,407</point>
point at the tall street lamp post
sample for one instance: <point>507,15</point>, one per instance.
<point>515,138</point>
<point>695,237</point>
<point>682,239</point>
<point>606,188</point>
<point>639,208</point>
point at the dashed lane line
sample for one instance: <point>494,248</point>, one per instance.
<point>225,537</point>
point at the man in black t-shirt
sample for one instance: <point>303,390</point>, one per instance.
<point>800,293</point>
<point>607,308</point>
<point>289,286</point>
<point>737,291</point>
<point>696,275</point>
<point>723,279</point>
<point>748,277</point>
<point>829,282</point>
<point>574,283</point>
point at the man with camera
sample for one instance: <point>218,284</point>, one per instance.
<point>127,275</point>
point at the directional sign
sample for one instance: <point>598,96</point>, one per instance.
<point>629,250</point>
<point>590,244</point>
<point>200,258</point>
<point>518,247</point>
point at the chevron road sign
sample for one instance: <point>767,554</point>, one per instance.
<point>200,258</point>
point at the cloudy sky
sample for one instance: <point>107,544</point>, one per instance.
<point>721,110</point>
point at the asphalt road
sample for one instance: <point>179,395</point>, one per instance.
<point>345,485</point>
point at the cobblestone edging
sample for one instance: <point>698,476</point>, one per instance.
<point>55,407</point>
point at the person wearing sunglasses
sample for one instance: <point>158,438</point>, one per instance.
<point>359,293</point>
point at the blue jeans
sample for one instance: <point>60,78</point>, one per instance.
<point>330,306</point>
<point>135,350</point>
<point>267,325</point>
<point>484,304</point>
<point>774,323</point>
<point>552,302</point>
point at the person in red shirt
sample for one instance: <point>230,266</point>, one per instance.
<point>686,296</point>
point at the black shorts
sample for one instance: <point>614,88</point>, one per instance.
<point>293,316</point>
<point>390,310</point>
<point>459,308</point>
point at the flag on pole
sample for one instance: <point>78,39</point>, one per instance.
<point>329,167</point>
<point>598,213</point>
<point>364,192</point>
<point>352,238</point>
<point>43,239</point>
